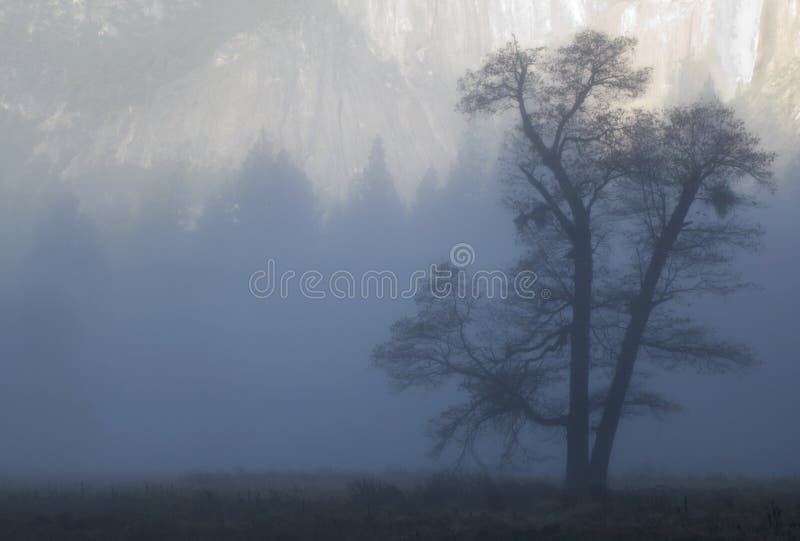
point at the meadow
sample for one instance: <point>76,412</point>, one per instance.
<point>394,506</point>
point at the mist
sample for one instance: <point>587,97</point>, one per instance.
<point>143,349</point>
<point>156,158</point>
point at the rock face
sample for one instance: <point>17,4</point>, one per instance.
<point>147,82</point>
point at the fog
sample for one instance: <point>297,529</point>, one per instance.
<point>144,350</point>
<point>131,342</point>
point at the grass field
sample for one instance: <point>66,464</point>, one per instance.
<point>393,507</point>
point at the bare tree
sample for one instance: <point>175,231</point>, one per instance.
<point>685,179</point>
<point>567,104</point>
<point>592,179</point>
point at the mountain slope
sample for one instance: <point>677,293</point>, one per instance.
<point>147,82</point>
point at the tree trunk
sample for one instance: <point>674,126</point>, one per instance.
<point>615,400</point>
<point>637,325</point>
<point>577,474</point>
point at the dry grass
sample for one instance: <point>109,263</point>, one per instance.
<point>442,506</point>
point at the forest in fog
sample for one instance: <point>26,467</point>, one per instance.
<point>415,270</point>
<point>137,345</point>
